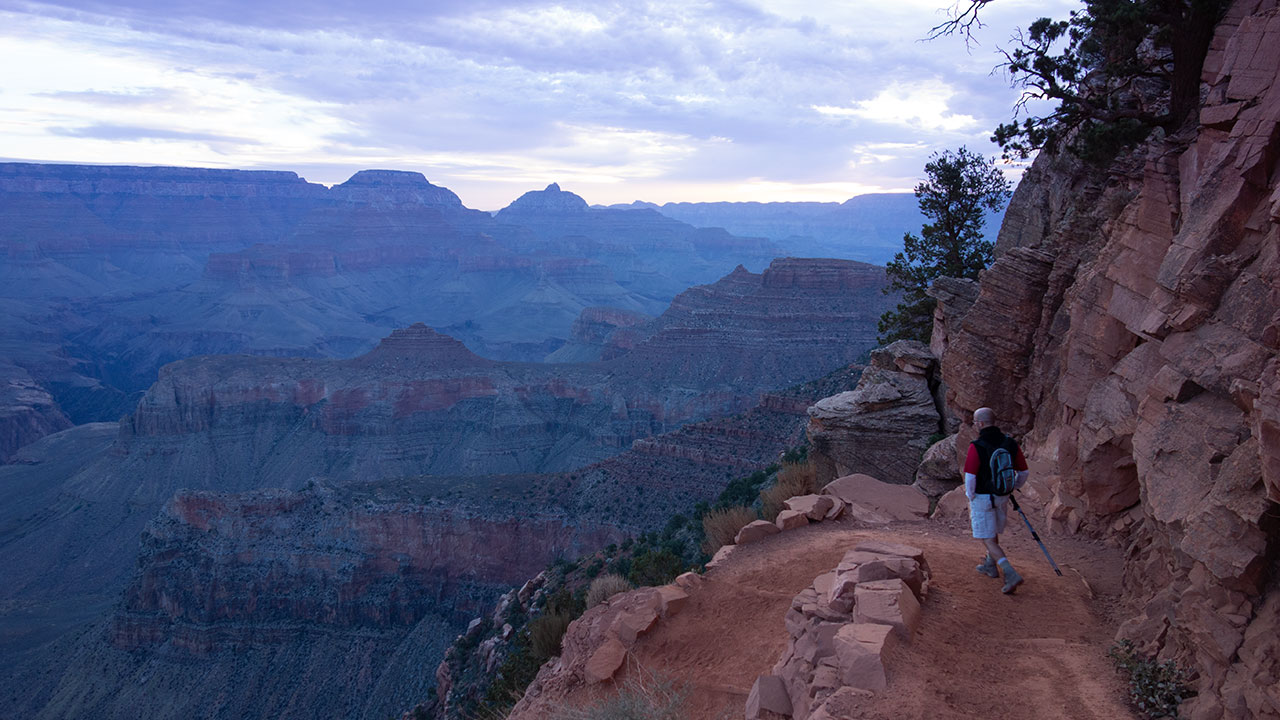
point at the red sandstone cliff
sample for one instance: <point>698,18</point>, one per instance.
<point>1130,328</point>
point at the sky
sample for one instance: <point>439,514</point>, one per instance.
<point>738,100</point>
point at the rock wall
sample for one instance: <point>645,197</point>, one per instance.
<point>216,568</point>
<point>1130,329</point>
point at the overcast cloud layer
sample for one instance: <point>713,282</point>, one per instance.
<point>661,101</point>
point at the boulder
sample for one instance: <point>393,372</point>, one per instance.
<point>815,507</point>
<point>897,502</point>
<point>863,567</point>
<point>938,472</point>
<point>605,661</point>
<point>866,515</point>
<point>674,598</point>
<point>722,555</point>
<point>952,506</point>
<point>881,426</point>
<point>887,602</point>
<point>754,531</point>
<point>817,642</point>
<point>859,651</point>
<point>636,618</point>
<point>690,581</point>
<point>882,547</point>
<point>768,699</point>
<point>840,625</point>
<point>841,596</point>
<point>791,519</point>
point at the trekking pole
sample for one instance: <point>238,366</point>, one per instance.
<point>1043,549</point>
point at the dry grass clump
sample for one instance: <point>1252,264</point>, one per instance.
<point>793,479</point>
<point>720,526</point>
<point>605,587</point>
<point>648,697</point>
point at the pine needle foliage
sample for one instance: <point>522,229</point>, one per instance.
<point>959,189</point>
<point>1112,72</point>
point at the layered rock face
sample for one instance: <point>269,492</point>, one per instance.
<point>277,571</point>
<point>809,308</point>
<point>336,596</point>
<point>638,490</point>
<point>712,353</point>
<point>1129,328</point>
<point>592,331</point>
<point>882,427</point>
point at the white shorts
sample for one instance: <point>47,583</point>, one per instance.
<point>987,521</point>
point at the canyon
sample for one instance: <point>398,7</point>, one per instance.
<point>109,273</point>
<point>112,272</point>
<point>245,476</point>
<point>340,517</point>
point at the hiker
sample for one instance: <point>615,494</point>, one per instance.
<point>988,505</point>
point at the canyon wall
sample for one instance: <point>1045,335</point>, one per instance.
<point>1130,330</point>
<point>455,455</point>
<point>422,402</point>
<point>110,273</point>
<point>351,593</point>
<point>338,598</point>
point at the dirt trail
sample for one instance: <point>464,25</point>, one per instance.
<point>977,654</point>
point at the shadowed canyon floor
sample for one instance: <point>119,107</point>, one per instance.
<point>978,654</point>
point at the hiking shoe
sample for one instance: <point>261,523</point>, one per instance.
<point>988,568</point>
<point>1011,581</point>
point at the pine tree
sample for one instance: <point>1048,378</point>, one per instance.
<point>960,187</point>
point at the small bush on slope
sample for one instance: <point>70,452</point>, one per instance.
<point>605,587</point>
<point>720,526</point>
<point>655,567</point>
<point>743,490</point>
<point>797,479</point>
<point>545,634</point>
<point>1155,688</point>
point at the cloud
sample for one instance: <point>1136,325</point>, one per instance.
<point>922,104</point>
<point>718,94</point>
<point>106,131</point>
<point>134,97</point>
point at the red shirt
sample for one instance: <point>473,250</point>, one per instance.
<point>971,461</point>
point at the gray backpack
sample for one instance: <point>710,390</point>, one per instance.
<point>1003,475</point>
